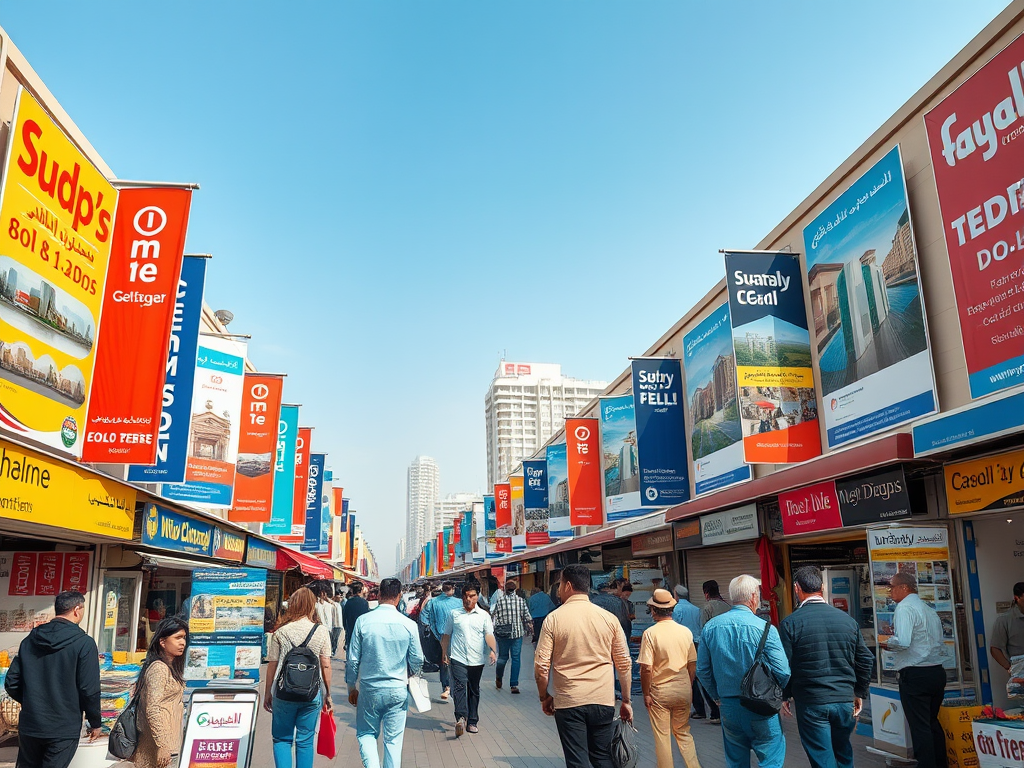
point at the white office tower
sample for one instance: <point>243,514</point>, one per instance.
<point>424,488</point>
<point>525,405</point>
<point>400,552</point>
<point>455,504</point>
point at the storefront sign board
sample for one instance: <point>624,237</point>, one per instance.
<point>686,533</point>
<point>999,743</point>
<point>228,545</point>
<point>737,524</point>
<point>654,543</point>
<point>877,497</point>
<point>260,555</point>
<point>168,530</point>
<point>813,508</point>
<point>987,419</point>
<point>992,482</point>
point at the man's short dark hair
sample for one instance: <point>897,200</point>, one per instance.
<point>710,588</point>
<point>511,583</point>
<point>447,586</point>
<point>1018,589</point>
<point>67,601</point>
<point>472,585</point>
<point>808,578</point>
<point>661,611</point>
<point>356,587</point>
<point>626,586</point>
<point>577,577</point>
<point>390,589</point>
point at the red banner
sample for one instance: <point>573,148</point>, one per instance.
<point>23,574</point>
<point>503,517</point>
<point>442,553</point>
<point>48,573</point>
<point>305,437</point>
<point>257,443</point>
<point>76,572</point>
<point>583,455</point>
<point>814,508</point>
<point>135,327</point>
<point>457,529</point>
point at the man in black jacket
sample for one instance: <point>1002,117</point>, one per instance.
<point>831,669</point>
<point>355,607</point>
<point>55,677</point>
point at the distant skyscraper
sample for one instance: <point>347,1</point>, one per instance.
<point>452,505</point>
<point>525,405</point>
<point>424,490</point>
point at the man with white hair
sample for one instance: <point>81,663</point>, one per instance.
<point>728,645</point>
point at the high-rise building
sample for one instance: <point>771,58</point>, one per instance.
<point>525,405</point>
<point>400,551</point>
<point>424,490</point>
<point>455,504</point>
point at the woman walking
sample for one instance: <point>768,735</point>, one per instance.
<point>295,721</point>
<point>161,706</point>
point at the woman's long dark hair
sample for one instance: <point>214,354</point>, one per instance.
<point>166,628</point>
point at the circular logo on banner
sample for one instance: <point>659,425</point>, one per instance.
<point>651,493</point>
<point>150,221</point>
<point>582,433</point>
<point>69,431</point>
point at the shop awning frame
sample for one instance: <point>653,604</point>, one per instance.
<point>311,566</point>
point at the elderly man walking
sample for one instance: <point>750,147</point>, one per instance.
<point>728,645</point>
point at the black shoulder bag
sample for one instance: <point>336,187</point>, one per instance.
<point>760,692</point>
<point>124,735</point>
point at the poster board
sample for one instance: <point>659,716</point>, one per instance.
<point>219,728</point>
<point>226,613</point>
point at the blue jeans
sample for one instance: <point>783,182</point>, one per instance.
<point>743,731</point>
<point>825,731</point>
<point>446,676</point>
<point>295,721</point>
<point>509,646</point>
<point>381,709</point>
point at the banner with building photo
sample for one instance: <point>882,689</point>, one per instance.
<point>619,464</point>
<point>253,493</point>
<point>559,522</point>
<point>976,160</point>
<point>302,444</point>
<point>869,328</point>
<point>58,216</point>
<point>771,344</point>
<point>215,425</point>
<point>716,438</point>
<point>660,431</point>
<point>280,523</point>
<point>535,501</point>
<point>138,314</point>
<point>503,516</point>
<point>491,528</point>
<point>515,483</point>
<point>179,379</point>
<point>583,459</point>
<point>314,536</point>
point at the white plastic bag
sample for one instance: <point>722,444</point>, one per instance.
<point>419,694</point>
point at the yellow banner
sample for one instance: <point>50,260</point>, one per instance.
<point>995,482</point>
<point>770,376</point>
<point>36,489</point>
<point>56,220</point>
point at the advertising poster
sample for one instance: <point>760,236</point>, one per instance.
<point>559,525</point>
<point>179,378</point>
<point>225,624</point>
<point>314,533</point>
<point>869,327</point>
<point>491,528</point>
<point>138,310</point>
<point>58,217</point>
<point>716,441</point>
<point>976,161</point>
<point>515,483</point>
<point>479,532</point>
<point>619,463</point>
<point>326,526</point>
<point>661,431</point>
<point>875,497</point>
<point>993,482</point>
<point>302,444</point>
<point>30,580</point>
<point>284,473</point>
<point>257,443</point>
<point>772,348</point>
<point>535,501</point>
<point>583,462</point>
<point>503,517</point>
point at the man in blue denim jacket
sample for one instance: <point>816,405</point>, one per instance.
<point>727,647</point>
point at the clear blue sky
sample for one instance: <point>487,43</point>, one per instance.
<point>396,192</point>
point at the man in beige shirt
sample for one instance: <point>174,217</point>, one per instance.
<point>581,647</point>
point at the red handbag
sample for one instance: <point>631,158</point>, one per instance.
<point>326,741</point>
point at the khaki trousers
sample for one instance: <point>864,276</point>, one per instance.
<point>670,716</point>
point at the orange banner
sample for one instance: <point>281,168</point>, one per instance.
<point>257,442</point>
<point>336,501</point>
<point>302,442</point>
<point>583,455</point>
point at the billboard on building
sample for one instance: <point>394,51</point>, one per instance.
<point>257,445</point>
<point>515,483</point>
<point>620,466</point>
<point>535,501</point>
<point>584,472</point>
<point>280,523</point>
<point>660,431</point>
<point>869,327</point>
<point>559,525</point>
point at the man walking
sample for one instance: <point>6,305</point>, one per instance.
<point>55,677</point>
<point>581,648</point>
<point>384,648</point>
<point>355,607</point>
<point>1008,631</point>
<point>441,608</point>
<point>541,605</point>
<point>466,632</point>
<point>714,605</point>
<point>919,655</point>
<point>728,644</point>
<point>615,605</point>
<point>688,615</point>
<point>325,611</point>
<point>338,623</point>
<point>668,665</point>
<point>511,618</point>
<point>831,668</point>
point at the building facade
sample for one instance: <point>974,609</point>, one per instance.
<point>454,504</point>
<point>423,494</point>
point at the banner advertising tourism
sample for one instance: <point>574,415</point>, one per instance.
<point>58,212</point>
<point>869,327</point>
<point>619,464</point>
<point>716,439</point>
<point>302,444</point>
<point>491,528</point>
<point>503,517</point>
<point>584,470</point>
<point>559,525</point>
<point>314,506</point>
<point>179,377</point>
<point>515,483</point>
<point>257,443</point>
<point>772,348</point>
<point>976,162</point>
<point>138,312</point>
<point>225,623</point>
<point>660,431</point>
<point>535,501</point>
<point>214,430</point>
<point>280,523</point>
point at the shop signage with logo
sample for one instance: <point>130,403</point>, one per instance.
<point>736,524</point>
<point>877,497</point>
<point>260,555</point>
<point>169,530</point>
<point>686,533</point>
<point>228,545</point>
<point>990,483</point>
<point>653,543</point>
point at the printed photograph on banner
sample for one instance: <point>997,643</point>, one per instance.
<point>661,431</point>
<point>518,513</point>
<point>716,439</point>
<point>254,467</point>
<point>869,329</point>
<point>619,462</point>
<point>559,526</point>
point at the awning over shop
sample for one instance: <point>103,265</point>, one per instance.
<point>309,565</point>
<point>179,563</point>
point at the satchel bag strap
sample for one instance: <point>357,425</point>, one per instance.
<point>764,640</point>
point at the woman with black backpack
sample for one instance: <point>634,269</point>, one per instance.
<point>161,706</point>
<point>298,680</point>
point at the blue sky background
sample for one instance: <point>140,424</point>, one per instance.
<point>396,193</point>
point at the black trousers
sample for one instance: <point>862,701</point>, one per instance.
<point>34,752</point>
<point>466,691</point>
<point>921,690</point>
<point>699,696</point>
<point>586,735</point>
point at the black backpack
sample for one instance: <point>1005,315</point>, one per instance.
<point>299,678</point>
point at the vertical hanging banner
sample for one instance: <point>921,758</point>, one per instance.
<point>280,523</point>
<point>302,444</point>
<point>215,425</point>
<point>479,532</point>
<point>314,513</point>
<point>772,347</point>
<point>620,466</point>
<point>660,431</point>
<point>583,457</point>
<point>338,502</point>
<point>869,327</point>
<point>57,211</point>
<point>257,444</point>
<point>535,501</point>
<point>716,440</point>
<point>503,517</point>
<point>441,552</point>
<point>325,511</point>
<point>179,379</point>
<point>490,528</point>
<point>981,197</point>
<point>138,313</point>
<point>515,483</point>
<point>559,525</point>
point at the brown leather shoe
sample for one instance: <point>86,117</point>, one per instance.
<point>497,684</point>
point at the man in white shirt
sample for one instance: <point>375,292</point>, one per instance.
<point>919,652</point>
<point>465,635</point>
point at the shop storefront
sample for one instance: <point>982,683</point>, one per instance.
<point>719,546</point>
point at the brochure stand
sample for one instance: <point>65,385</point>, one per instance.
<point>219,727</point>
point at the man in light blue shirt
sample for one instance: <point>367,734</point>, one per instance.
<point>727,647</point>
<point>688,614</point>
<point>467,633</point>
<point>441,608</point>
<point>384,650</point>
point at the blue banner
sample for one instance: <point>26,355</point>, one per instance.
<point>326,524</point>
<point>314,511</point>
<point>225,621</point>
<point>661,432</point>
<point>535,501</point>
<point>260,554</point>
<point>558,492</point>
<point>491,528</point>
<point>169,530</point>
<point>176,414</point>
<point>284,474</point>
